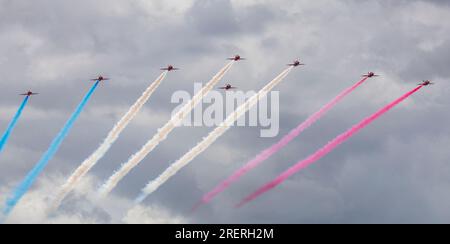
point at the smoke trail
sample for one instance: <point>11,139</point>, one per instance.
<point>162,133</point>
<point>211,138</point>
<point>18,193</point>
<point>264,155</point>
<point>13,123</point>
<point>326,149</point>
<point>82,170</point>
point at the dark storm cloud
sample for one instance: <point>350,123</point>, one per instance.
<point>394,171</point>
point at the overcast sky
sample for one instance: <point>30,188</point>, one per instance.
<point>395,171</point>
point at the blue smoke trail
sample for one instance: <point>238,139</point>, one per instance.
<point>34,173</point>
<point>13,123</point>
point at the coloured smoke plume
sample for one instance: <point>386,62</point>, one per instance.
<point>13,123</point>
<point>113,135</point>
<point>264,155</point>
<point>211,138</point>
<point>25,185</point>
<point>162,133</point>
<point>326,149</point>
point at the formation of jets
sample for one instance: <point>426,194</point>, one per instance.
<point>228,87</point>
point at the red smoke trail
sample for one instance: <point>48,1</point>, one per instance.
<point>264,155</point>
<point>325,150</point>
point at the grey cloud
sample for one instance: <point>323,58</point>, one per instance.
<point>395,171</point>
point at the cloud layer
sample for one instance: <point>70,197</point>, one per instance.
<point>395,171</point>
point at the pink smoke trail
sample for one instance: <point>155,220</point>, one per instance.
<point>264,155</point>
<point>326,149</point>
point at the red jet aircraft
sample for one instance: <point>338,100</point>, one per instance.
<point>370,75</point>
<point>100,78</point>
<point>296,63</point>
<point>170,68</point>
<point>426,83</point>
<point>227,87</point>
<point>236,58</point>
<point>29,93</point>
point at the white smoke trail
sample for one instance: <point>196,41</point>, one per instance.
<point>162,133</point>
<point>81,171</point>
<point>213,136</point>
